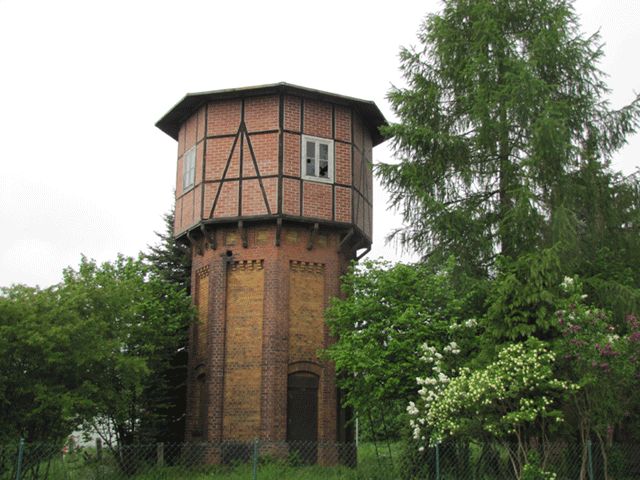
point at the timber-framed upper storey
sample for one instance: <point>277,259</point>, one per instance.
<point>275,152</point>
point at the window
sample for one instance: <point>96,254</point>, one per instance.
<point>189,169</point>
<point>317,159</point>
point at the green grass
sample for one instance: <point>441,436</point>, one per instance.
<point>456,462</point>
<point>370,467</point>
<point>84,466</point>
<point>244,472</point>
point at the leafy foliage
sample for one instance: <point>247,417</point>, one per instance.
<point>92,350</point>
<point>514,398</point>
<point>140,319</point>
<point>602,358</point>
<point>46,352</point>
<point>388,313</point>
<point>523,297</point>
<point>502,398</point>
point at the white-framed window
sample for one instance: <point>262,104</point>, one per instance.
<point>189,169</point>
<point>317,159</point>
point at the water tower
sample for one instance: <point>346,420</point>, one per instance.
<point>274,196</point>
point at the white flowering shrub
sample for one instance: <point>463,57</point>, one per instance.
<point>442,365</point>
<point>509,394</point>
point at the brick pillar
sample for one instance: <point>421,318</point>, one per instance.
<point>274,370</point>
<point>216,336</point>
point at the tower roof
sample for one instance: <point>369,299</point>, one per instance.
<point>170,123</point>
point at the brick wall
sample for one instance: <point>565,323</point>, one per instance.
<point>265,321</point>
<point>291,194</point>
<point>343,123</point>
<point>227,204</point>
<point>201,299</point>
<point>252,199</point>
<point>265,148</point>
<point>243,350</point>
<point>306,311</point>
<point>218,152</point>
<point>343,204</point>
<point>292,109</point>
<point>317,200</point>
<point>223,117</point>
<point>261,113</point>
<point>239,140</point>
<point>292,154</point>
<point>317,120</point>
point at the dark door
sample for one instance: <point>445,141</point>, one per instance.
<point>302,416</point>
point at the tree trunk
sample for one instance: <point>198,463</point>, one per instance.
<point>507,244</point>
<point>603,452</point>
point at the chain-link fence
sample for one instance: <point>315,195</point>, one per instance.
<point>296,460</point>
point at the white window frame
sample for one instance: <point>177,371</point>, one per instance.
<point>330,158</point>
<point>189,169</point>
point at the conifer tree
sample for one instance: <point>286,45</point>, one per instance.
<point>504,109</point>
<point>171,262</point>
<point>168,258</point>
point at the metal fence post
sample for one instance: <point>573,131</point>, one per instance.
<point>99,449</point>
<point>255,460</point>
<point>437,461</point>
<point>20,457</point>
<point>160,454</point>
<point>98,457</point>
<point>590,459</point>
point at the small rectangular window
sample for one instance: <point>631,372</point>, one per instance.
<point>189,169</point>
<point>317,159</point>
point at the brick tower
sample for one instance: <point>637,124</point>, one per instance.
<point>273,193</point>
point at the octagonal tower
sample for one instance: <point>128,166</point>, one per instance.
<point>274,195</point>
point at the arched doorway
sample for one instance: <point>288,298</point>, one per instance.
<point>302,415</point>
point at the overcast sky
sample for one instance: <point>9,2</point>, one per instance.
<point>84,170</point>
